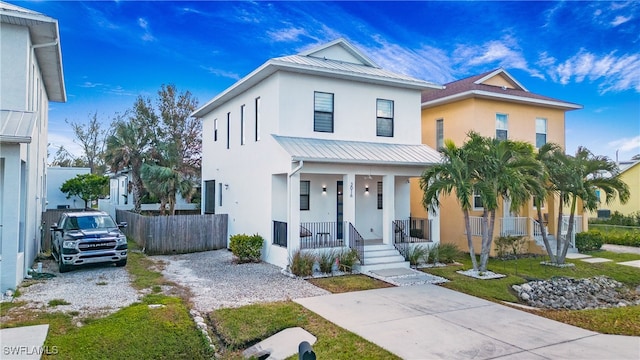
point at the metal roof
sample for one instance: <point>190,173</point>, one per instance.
<point>16,126</point>
<point>45,40</point>
<point>342,151</point>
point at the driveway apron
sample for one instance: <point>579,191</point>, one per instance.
<point>432,322</point>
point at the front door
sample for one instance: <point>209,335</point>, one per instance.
<point>339,211</point>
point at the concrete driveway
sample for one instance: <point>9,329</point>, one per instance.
<point>432,322</point>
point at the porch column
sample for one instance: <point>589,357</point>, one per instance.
<point>293,216</point>
<point>348,203</point>
<point>388,208</point>
<point>11,183</point>
<point>434,217</point>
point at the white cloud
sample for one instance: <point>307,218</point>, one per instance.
<point>144,24</point>
<point>615,73</point>
<point>626,144</point>
<point>58,139</point>
<point>288,34</point>
<point>620,20</point>
<point>222,73</point>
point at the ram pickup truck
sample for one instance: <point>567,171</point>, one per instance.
<point>87,237</point>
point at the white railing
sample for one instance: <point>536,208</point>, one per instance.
<point>577,227</point>
<point>535,225</point>
<point>476,225</point>
<point>513,226</point>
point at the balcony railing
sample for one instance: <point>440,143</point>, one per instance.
<point>317,235</point>
<point>513,226</point>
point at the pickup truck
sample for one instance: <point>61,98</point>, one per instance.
<point>87,237</point>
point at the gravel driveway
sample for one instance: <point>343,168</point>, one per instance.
<point>217,282</point>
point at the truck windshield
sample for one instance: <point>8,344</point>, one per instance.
<point>94,222</point>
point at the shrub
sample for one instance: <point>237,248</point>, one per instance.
<point>588,241</point>
<point>346,259</point>
<point>301,264</point>
<point>509,246</point>
<point>432,254</point>
<point>414,254</point>
<point>448,253</point>
<point>246,248</point>
<point>626,238</point>
<point>326,259</point>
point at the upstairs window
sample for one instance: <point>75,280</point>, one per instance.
<point>541,132</point>
<point>477,202</point>
<point>384,118</point>
<point>257,119</point>
<point>242,137</point>
<point>305,186</point>
<point>215,129</point>
<point>228,129</point>
<point>439,134</point>
<point>323,112</point>
<point>502,127</point>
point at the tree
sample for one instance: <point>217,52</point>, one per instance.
<point>63,158</point>
<point>584,174</point>
<point>88,187</point>
<point>165,183</point>
<point>132,144</point>
<point>90,136</point>
<point>547,156</point>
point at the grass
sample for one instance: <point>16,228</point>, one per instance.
<point>142,270</point>
<point>621,321</point>
<point>617,257</point>
<point>242,327</point>
<point>348,283</point>
<point>57,302</point>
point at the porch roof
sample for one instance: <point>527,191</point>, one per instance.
<point>16,126</point>
<point>354,152</point>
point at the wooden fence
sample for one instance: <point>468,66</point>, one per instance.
<point>175,234</point>
<point>49,217</point>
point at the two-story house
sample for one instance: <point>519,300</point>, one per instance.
<point>316,150</point>
<point>494,104</point>
<point>30,76</point>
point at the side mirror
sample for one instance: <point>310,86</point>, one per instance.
<point>54,227</point>
<point>122,225</point>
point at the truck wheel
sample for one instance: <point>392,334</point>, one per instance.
<point>61,266</point>
<point>121,263</point>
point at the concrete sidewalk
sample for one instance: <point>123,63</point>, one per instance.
<point>25,342</point>
<point>432,322</point>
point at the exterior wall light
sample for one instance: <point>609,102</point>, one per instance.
<point>366,189</point>
<point>324,189</point>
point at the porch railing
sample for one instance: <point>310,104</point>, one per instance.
<point>513,226</point>
<point>356,242</point>
<point>412,230</point>
<point>476,225</point>
<point>280,233</point>
<point>316,235</point>
<point>577,227</point>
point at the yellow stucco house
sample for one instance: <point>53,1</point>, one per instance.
<point>630,175</point>
<point>493,104</point>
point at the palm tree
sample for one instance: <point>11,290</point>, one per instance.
<point>165,183</point>
<point>452,174</point>
<point>503,170</point>
<point>588,174</point>
<point>547,156</point>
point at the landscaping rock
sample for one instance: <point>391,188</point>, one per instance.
<point>577,294</point>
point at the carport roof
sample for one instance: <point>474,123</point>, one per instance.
<point>357,152</point>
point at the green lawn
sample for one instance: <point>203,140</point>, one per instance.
<point>622,321</point>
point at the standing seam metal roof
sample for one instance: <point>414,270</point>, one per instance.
<point>343,151</point>
<point>16,126</point>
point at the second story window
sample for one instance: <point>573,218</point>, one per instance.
<point>257,119</point>
<point>215,129</point>
<point>502,127</point>
<point>322,112</point>
<point>439,134</point>
<point>228,129</point>
<point>541,132</point>
<point>384,117</point>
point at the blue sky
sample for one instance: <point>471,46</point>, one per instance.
<point>581,52</point>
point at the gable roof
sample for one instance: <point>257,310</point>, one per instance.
<point>357,152</point>
<point>337,59</point>
<point>45,38</point>
<point>478,86</point>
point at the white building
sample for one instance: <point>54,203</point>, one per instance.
<point>30,76</point>
<point>56,176</point>
<point>316,150</point>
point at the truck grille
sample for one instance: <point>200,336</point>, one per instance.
<point>97,245</point>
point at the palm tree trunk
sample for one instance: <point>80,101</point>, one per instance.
<point>487,229</point>
<point>543,232</point>
<point>570,228</point>
<point>559,230</point>
<point>137,192</point>
<point>467,225</point>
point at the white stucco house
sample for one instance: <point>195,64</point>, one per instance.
<point>30,77</point>
<point>316,150</point>
<point>56,176</point>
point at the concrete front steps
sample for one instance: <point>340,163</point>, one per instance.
<point>381,256</point>
<point>552,242</point>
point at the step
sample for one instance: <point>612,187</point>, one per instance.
<point>383,259</point>
<point>387,252</point>
<point>380,266</point>
<point>379,247</point>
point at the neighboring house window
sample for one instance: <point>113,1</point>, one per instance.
<point>215,130</point>
<point>210,197</point>
<point>535,201</point>
<point>439,134</point>
<point>242,138</point>
<point>477,202</point>
<point>541,132</point>
<point>257,119</point>
<point>220,196</point>
<point>228,128</point>
<point>379,194</point>
<point>384,118</point>
<point>323,112</point>
<point>502,126</point>
<point>305,185</point>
